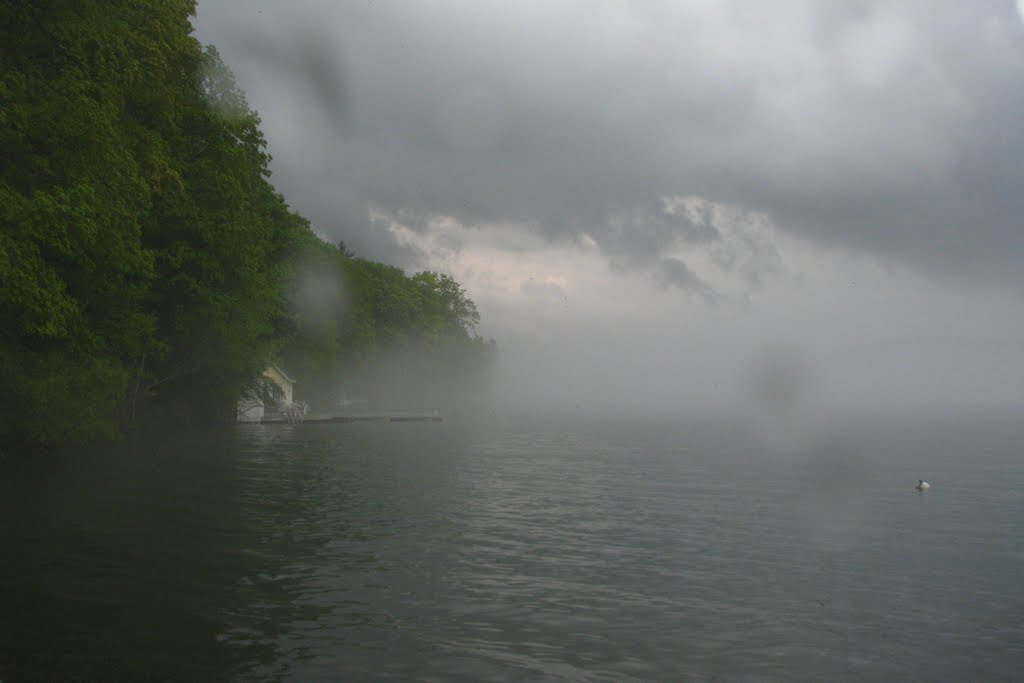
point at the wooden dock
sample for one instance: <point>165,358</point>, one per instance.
<point>362,417</point>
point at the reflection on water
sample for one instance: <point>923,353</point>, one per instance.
<point>602,552</point>
<point>155,560</point>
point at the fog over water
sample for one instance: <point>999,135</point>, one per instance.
<point>773,210</point>
<point>752,268</point>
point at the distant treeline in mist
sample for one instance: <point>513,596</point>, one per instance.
<point>366,330</point>
<point>148,268</point>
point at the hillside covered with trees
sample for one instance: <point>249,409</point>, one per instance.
<point>148,268</point>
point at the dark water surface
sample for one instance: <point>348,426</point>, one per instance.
<point>616,551</point>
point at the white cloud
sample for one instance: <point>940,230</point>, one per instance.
<point>643,197</point>
<point>576,330</point>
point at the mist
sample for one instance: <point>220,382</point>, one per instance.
<point>768,215</point>
<point>533,340</point>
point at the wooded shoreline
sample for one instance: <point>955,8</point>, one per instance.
<point>149,271</point>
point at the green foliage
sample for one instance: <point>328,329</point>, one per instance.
<point>147,266</point>
<point>73,187</point>
<point>140,241</point>
<point>370,329</point>
<point>221,236</point>
<point>447,309</point>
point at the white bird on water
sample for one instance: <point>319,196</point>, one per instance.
<point>922,485</point>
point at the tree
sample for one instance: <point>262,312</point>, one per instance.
<point>75,180</point>
<point>450,310</point>
<point>140,239</point>
<point>221,236</point>
<point>147,265</point>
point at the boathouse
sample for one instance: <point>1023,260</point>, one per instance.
<point>251,408</point>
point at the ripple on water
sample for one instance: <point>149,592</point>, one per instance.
<point>358,551</point>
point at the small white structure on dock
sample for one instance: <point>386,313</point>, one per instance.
<point>252,409</point>
<point>281,379</point>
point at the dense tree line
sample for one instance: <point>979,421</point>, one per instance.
<point>147,265</point>
<point>366,329</point>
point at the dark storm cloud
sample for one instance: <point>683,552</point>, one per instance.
<point>673,272</point>
<point>889,127</point>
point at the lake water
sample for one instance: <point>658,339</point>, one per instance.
<point>602,551</point>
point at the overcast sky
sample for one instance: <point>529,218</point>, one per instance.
<point>700,202</point>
